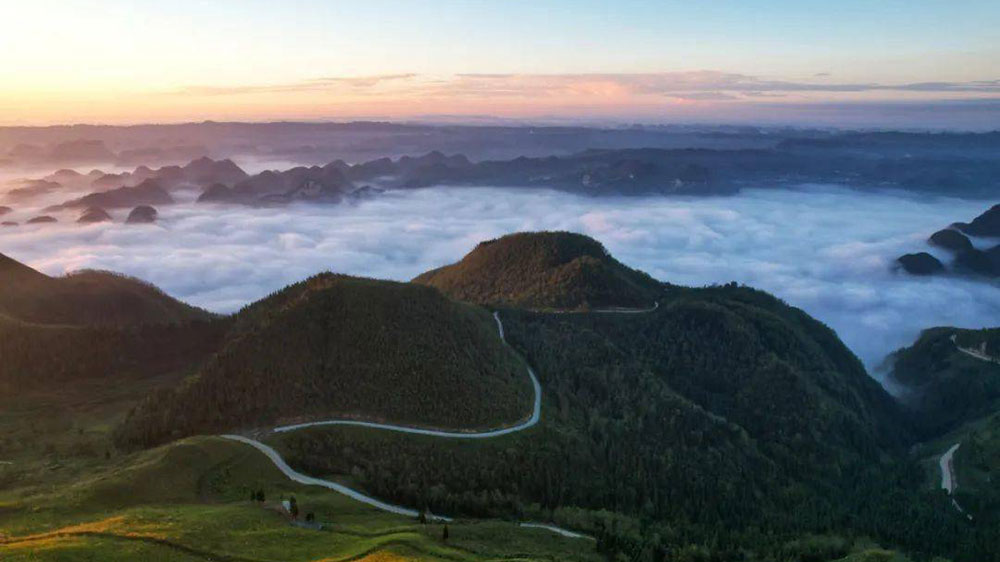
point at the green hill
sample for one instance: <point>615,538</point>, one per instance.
<point>977,467</point>
<point>944,387</point>
<point>544,270</point>
<point>723,409</point>
<point>337,346</point>
<point>86,298</point>
<point>189,502</point>
<point>39,357</point>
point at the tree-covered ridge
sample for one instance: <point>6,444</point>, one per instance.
<point>87,298</point>
<point>985,341</point>
<point>39,357</point>
<point>741,355</point>
<point>977,464</point>
<point>724,419</point>
<point>338,346</point>
<point>944,387</point>
<point>544,270</point>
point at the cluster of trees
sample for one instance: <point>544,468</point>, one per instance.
<point>336,346</point>
<point>544,270</point>
<point>725,420</point>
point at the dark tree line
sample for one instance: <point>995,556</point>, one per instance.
<point>37,357</point>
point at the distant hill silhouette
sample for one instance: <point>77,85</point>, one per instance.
<point>967,259</point>
<point>149,192</point>
<point>986,224</point>
<point>141,215</point>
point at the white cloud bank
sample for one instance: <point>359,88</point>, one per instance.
<point>827,250</point>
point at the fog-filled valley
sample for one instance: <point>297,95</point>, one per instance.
<point>828,249</point>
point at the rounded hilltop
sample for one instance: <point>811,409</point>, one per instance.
<point>335,346</point>
<point>87,298</point>
<point>544,270</point>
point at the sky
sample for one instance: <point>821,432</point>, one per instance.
<point>114,61</point>
<point>828,250</point>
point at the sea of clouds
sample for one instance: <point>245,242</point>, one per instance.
<point>828,250</point>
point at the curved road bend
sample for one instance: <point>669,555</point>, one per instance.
<point>948,480</point>
<point>947,469</point>
<point>973,352</point>
<point>536,415</point>
<point>296,476</point>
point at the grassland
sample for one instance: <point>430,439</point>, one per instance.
<point>191,501</point>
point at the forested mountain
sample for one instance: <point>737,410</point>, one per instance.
<point>94,326</point>
<point>963,165</point>
<point>725,418</point>
<point>86,298</point>
<point>338,346</point>
<point>544,270</point>
<point>977,463</point>
<point>943,386</point>
<point>40,357</point>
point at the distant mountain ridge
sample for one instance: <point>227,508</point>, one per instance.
<point>951,163</point>
<point>149,192</point>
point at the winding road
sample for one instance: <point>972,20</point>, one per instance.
<point>536,414</point>
<point>297,476</point>
<point>948,469</point>
<point>948,480</point>
<point>946,462</point>
<point>973,352</point>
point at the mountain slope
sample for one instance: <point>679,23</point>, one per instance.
<point>337,346</point>
<point>723,408</point>
<point>54,358</point>
<point>544,270</point>
<point>86,298</point>
<point>943,386</point>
